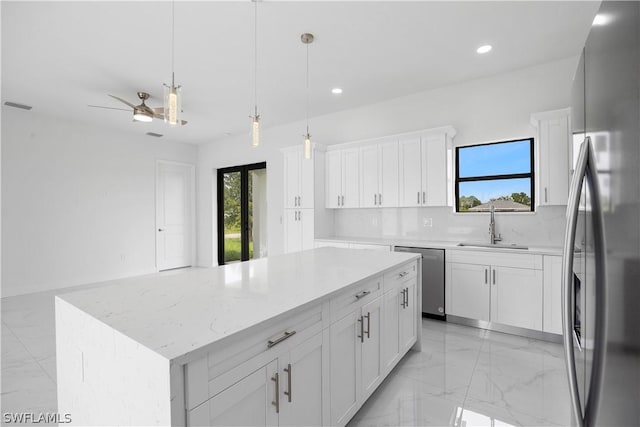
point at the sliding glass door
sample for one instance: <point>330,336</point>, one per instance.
<point>242,213</point>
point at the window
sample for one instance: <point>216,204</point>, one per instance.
<point>498,174</point>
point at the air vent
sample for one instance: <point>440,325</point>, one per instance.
<point>157,135</point>
<point>16,105</point>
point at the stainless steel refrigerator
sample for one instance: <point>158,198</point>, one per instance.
<point>601,262</point>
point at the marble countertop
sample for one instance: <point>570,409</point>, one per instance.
<point>179,313</point>
<point>538,250</point>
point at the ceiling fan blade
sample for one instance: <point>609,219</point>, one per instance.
<point>109,108</point>
<point>123,101</point>
<point>159,110</point>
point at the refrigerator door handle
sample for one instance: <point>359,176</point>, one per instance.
<point>585,168</point>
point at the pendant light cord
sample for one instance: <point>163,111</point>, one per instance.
<point>173,41</point>
<point>255,57</point>
<point>307,88</point>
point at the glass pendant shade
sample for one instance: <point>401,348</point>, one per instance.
<point>255,131</point>
<point>172,105</point>
<point>307,146</point>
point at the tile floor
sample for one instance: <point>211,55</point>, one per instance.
<point>463,376</point>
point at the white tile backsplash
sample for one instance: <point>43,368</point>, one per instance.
<point>545,227</point>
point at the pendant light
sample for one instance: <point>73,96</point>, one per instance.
<point>172,94</point>
<point>255,119</point>
<point>307,39</point>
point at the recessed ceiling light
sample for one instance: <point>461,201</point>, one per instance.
<point>600,20</point>
<point>484,49</point>
<point>336,91</point>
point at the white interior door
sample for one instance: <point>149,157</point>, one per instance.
<point>174,215</point>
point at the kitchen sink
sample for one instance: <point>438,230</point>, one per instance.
<point>495,245</point>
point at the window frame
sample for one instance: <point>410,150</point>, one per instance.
<point>530,175</point>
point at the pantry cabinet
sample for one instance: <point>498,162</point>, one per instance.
<point>342,178</point>
<point>379,174</point>
<point>554,152</point>
<point>298,179</point>
<point>425,168</point>
<point>504,288</point>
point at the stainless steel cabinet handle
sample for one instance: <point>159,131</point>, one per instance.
<point>493,272</point>
<point>380,199</point>
<point>160,229</point>
<point>338,200</point>
<point>485,276</point>
<point>288,371</point>
<point>424,197</point>
<point>361,336</point>
<point>342,200</point>
<point>406,296</point>
<point>375,199</point>
<point>545,195</point>
<point>418,197</point>
<point>286,335</point>
<point>276,402</point>
<point>368,331</point>
<point>299,200</point>
<point>362,294</point>
<point>404,273</point>
<point>585,168</point>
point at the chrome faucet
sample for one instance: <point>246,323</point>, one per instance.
<point>492,228</point>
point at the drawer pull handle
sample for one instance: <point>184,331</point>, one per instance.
<point>279,340</point>
<point>288,371</point>
<point>404,273</point>
<point>276,402</point>
<point>362,294</point>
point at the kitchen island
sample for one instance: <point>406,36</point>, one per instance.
<point>297,339</point>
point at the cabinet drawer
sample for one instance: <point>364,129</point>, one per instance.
<point>267,342</point>
<point>349,300</point>
<point>504,259</point>
<point>400,275</point>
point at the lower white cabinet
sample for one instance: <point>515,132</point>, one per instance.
<point>500,288</point>
<point>356,368</point>
<point>298,229</point>
<point>408,313</point>
<point>399,332</point>
<point>552,295</point>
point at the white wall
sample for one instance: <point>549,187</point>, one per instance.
<point>78,202</point>
<point>488,109</point>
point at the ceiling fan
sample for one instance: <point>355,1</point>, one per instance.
<point>142,112</point>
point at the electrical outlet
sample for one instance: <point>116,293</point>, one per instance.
<point>427,222</point>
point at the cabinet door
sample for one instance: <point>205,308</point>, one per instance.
<point>516,297</point>
<point>552,295</point>
<point>291,178</point>
<point>554,140</point>
<point>369,176</point>
<point>470,290</point>
<point>306,192</point>
<point>350,178</point>
<point>246,403</point>
<point>434,175</point>
<point>408,316</point>
<point>391,307</point>
<point>410,158</point>
<point>333,187</point>
<point>388,174</point>
<point>371,346</point>
<point>292,231</point>
<point>345,372</point>
<point>301,384</point>
<point>305,220</point>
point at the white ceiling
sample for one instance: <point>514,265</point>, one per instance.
<point>61,56</point>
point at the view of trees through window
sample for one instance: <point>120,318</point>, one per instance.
<point>498,174</point>
<point>232,216</point>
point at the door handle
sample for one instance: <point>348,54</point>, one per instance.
<point>338,200</point>
<point>380,199</point>
<point>375,199</point>
<point>361,336</point>
<point>160,229</point>
<point>493,273</point>
<point>585,168</point>
<point>368,316</point>
<point>342,200</point>
<point>545,195</point>
<point>288,371</point>
<point>485,276</point>
<point>276,402</point>
<point>418,197</point>
<point>406,296</point>
<point>424,197</point>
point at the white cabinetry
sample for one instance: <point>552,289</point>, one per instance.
<point>298,229</point>
<point>552,314</point>
<point>425,168</point>
<point>504,288</point>
<point>553,137</point>
<point>379,174</point>
<point>304,213</point>
<point>342,179</point>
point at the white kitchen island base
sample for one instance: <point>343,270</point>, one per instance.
<point>296,339</point>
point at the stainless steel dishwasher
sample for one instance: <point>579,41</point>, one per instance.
<point>432,280</point>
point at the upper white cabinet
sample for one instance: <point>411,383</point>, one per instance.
<point>425,168</point>
<point>342,179</point>
<point>553,136</point>
<point>379,174</point>
<point>298,179</point>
